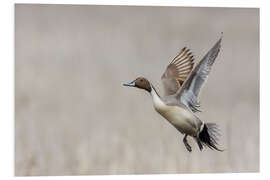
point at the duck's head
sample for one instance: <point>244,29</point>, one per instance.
<point>141,83</point>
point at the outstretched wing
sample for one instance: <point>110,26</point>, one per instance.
<point>190,90</point>
<point>177,71</point>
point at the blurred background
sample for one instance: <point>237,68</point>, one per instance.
<point>74,117</point>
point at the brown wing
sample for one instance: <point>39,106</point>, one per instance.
<point>177,71</point>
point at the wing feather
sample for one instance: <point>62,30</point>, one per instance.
<point>190,90</point>
<point>177,71</point>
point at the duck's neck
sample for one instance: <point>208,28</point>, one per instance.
<point>157,102</point>
<point>154,91</point>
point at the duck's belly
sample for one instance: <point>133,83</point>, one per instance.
<point>181,118</point>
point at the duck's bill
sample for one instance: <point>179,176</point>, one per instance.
<point>131,84</point>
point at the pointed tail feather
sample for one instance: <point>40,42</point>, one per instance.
<point>209,136</point>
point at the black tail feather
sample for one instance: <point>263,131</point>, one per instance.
<point>209,136</point>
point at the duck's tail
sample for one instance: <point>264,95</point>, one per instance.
<point>209,136</point>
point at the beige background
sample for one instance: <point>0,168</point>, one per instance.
<point>74,117</point>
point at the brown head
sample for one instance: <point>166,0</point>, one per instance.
<point>141,83</point>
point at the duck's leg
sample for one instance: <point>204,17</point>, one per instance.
<point>186,143</point>
<point>199,143</point>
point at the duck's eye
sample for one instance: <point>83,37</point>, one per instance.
<point>141,80</point>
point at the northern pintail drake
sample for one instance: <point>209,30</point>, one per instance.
<point>182,85</point>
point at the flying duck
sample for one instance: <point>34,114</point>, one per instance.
<point>182,84</point>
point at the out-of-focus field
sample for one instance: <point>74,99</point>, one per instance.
<point>74,117</point>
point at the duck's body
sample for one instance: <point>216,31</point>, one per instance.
<point>179,116</point>
<point>182,85</point>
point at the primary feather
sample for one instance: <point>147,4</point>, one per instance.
<point>189,93</point>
